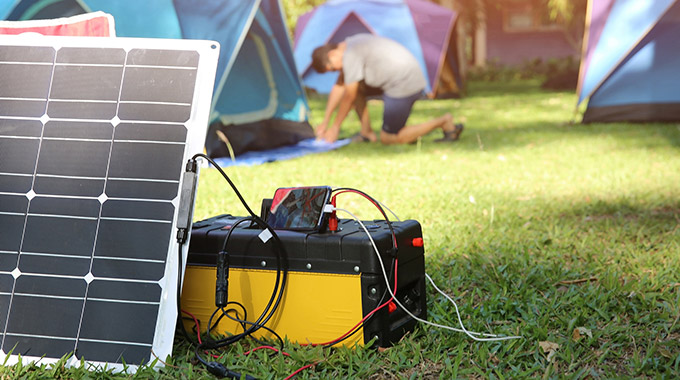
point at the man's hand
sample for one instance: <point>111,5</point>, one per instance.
<point>320,130</point>
<point>331,135</point>
<point>334,98</point>
<point>346,102</point>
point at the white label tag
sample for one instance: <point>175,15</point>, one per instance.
<point>265,235</point>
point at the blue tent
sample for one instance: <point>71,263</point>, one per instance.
<point>630,69</point>
<point>258,100</point>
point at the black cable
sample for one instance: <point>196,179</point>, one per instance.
<point>194,329</point>
<point>277,293</point>
<point>226,177</point>
<point>213,367</point>
<point>281,257</point>
<point>243,308</point>
<point>246,322</point>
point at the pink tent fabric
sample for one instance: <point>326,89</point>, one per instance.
<point>96,24</point>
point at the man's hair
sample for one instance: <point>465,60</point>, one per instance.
<point>320,59</point>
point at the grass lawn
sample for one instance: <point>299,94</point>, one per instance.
<point>567,235</point>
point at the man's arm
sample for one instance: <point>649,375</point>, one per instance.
<point>346,102</point>
<point>333,100</point>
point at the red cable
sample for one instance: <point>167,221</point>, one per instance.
<point>292,375</point>
<point>266,347</point>
<point>396,265</point>
<point>363,195</point>
<point>198,332</point>
<point>332,342</point>
<point>394,238</point>
<point>198,327</point>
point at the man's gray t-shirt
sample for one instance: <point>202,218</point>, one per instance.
<point>382,63</point>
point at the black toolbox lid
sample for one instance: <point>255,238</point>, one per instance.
<point>348,250</point>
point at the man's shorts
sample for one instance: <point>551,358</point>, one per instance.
<point>396,112</point>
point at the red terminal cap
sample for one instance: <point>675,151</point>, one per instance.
<point>333,222</point>
<point>333,218</point>
<point>417,242</point>
<point>391,307</point>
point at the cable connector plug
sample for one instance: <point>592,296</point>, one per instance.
<point>191,166</point>
<point>333,218</point>
<point>219,370</point>
<point>222,281</point>
<point>186,201</point>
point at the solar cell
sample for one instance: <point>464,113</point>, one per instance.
<point>94,133</point>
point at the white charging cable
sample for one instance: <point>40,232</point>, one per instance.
<point>471,334</point>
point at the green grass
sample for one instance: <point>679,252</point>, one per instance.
<point>514,215</point>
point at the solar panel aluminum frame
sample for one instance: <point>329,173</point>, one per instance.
<point>152,69</point>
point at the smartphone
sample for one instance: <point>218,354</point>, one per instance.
<point>299,208</point>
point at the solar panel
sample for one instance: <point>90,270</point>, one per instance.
<point>94,134</point>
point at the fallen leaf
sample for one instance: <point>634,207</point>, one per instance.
<point>549,348</point>
<point>580,332</point>
<point>665,353</point>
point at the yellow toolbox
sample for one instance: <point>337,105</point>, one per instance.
<point>334,279</point>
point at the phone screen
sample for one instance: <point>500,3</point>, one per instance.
<point>298,208</point>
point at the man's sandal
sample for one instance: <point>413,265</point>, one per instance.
<point>452,135</point>
<point>358,137</point>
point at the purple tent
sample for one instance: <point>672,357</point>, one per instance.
<point>425,28</point>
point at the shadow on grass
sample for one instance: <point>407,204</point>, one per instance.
<point>608,269</point>
<point>651,135</point>
<point>590,232</point>
<point>531,135</point>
